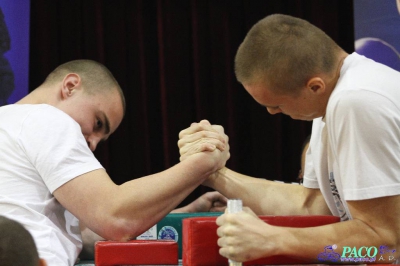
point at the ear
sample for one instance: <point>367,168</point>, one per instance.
<point>70,84</point>
<point>316,85</point>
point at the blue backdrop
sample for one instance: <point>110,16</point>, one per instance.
<point>377,30</point>
<point>14,50</point>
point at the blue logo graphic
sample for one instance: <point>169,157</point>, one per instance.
<point>385,249</point>
<point>329,254</point>
<point>168,233</point>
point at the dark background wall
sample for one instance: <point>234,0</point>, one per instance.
<point>174,61</point>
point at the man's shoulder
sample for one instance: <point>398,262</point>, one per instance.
<point>34,112</point>
<point>18,109</point>
<point>362,98</point>
<point>36,119</point>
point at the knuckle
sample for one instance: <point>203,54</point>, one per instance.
<point>203,134</point>
<point>200,127</point>
<point>231,252</point>
<point>218,128</point>
<point>183,149</point>
<point>221,252</point>
<point>182,133</point>
<point>179,143</point>
<point>229,218</point>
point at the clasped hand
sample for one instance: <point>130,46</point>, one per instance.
<point>204,138</point>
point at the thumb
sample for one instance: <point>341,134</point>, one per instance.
<point>205,122</point>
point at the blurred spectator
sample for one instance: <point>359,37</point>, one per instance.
<point>17,247</point>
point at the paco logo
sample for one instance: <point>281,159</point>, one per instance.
<point>354,254</point>
<point>362,252</point>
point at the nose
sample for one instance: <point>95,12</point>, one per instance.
<point>274,110</point>
<point>92,142</point>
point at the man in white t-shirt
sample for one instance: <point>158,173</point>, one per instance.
<point>353,160</point>
<point>50,180</point>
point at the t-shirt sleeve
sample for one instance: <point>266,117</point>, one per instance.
<point>54,144</point>
<point>365,136</point>
<point>309,177</point>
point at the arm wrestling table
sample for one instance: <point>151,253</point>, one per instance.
<point>199,247</point>
<point>91,263</point>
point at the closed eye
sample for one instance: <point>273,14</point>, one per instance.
<point>99,124</point>
<point>103,123</point>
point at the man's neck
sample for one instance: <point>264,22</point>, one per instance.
<point>38,96</point>
<point>331,84</point>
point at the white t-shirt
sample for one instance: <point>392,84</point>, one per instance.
<point>354,151</point>
<point>42,148</point>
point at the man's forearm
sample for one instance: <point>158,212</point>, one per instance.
<point>348,242</point>
<point>266,197</point>
<point>125,211</point>
<point>145,203</point>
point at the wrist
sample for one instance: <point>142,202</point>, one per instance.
<point>283,241</point>
<point>202,163</point>
<point>215,177</point>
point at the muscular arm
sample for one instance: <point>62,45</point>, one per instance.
<point>208,202</point>
<point>375,222</point>
<point>263,196</point>
<point>125,211</point>
<point>372,225</point>
<point>266,197</point>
